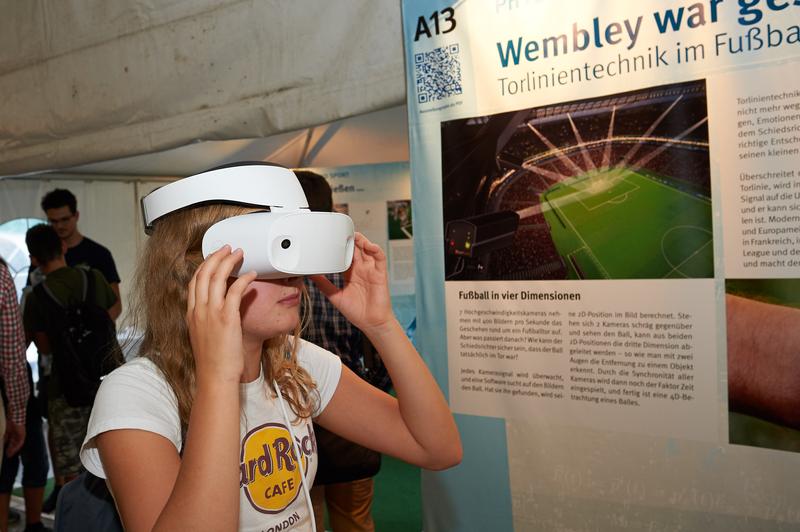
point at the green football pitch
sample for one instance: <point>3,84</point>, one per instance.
<point>621,224</point>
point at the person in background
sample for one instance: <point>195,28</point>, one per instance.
<point>344,482</point>
<point>12,362</point>
<point>33,456</point>
<point>13,370</point>
<point>67,424</point>
<point>61,209</point>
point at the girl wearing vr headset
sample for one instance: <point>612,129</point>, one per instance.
<point>210,428</point>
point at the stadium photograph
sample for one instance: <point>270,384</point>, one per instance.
<point>612,187</point>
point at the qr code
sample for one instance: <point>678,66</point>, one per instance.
<point>438,73</point>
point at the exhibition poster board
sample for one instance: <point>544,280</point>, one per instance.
<point>607,219</point>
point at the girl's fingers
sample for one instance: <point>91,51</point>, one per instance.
<point>204,272</point>
<point>360,241</point>
<point>378,259</point>
<point>233,299</point>
<point>369,248</point>
<point>358,250</point>
<point>376,252</point>
<point>369,252</point>
<point>324,285</point>
<point>218,283</point>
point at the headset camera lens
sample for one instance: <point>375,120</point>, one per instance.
<point>286,243</point>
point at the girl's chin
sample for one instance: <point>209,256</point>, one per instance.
<point>265,333</point>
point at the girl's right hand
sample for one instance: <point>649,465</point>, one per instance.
<point>212,316</point>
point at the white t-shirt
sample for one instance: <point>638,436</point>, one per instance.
<point>136,396</point>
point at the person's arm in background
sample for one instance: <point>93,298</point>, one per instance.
<point>116,308</point>
<point>105,294</point>
<point>764,360</point>
<point>12,362</point>
<point>109,270</point>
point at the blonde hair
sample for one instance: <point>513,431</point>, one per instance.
<point>171,256</point>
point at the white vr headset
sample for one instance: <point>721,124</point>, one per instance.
<point>285,241</point>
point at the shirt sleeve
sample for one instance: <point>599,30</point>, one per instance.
<point>12,350</point>
<point>324,367</point>
<point>107,266</point>
<point>134,396</point>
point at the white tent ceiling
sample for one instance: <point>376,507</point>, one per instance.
<point>381,136</point>
<point>86,81</point>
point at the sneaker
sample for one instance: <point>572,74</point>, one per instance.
<point>49,505</point>
<point>14,517</point>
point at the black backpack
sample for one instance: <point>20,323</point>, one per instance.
<point>83,340</point>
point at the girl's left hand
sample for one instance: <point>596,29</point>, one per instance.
<point>365,299</point>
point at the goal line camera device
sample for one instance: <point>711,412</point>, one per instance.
<point>283,240</point>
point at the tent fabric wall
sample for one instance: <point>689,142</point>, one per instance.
<point>86,81</point>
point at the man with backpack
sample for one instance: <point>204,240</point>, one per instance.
<point>68,317</point>
<point>61,209</point>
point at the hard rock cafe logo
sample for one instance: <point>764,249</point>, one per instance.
<point>270,476</point>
